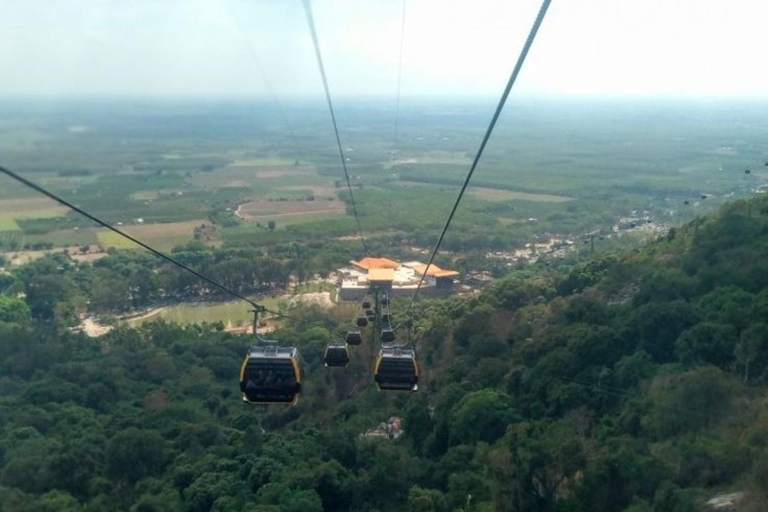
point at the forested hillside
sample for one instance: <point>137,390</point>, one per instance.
<point>634,383</point>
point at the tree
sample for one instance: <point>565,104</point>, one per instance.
<point>655,326</point>
<point>688,402</point>
<point>534,463</point>
<point>426,500</point>
<point>728,305</point>
<point>134,453</point>
<point>45,292</point>
<point>109,293</point>
<point>418,422</point>
<point>57,501</point>
<point>14,310</point>
<point>752,348</point>
<point>204,491</point>
<point>707,343</point>
<point>290,499</point>
<point>271,225</point>
<point>480,416</point>
<point>612,482</point>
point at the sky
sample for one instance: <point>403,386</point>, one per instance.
<point>183,48</point>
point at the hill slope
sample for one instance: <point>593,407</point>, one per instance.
<point>634,383</point>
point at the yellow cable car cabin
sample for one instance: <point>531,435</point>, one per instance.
<point>271,375</point>
<point>396,369</point>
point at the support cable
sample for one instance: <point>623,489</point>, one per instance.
<point>488,132</point>
<point>318,54</point>
<point>400,72</point>
<point>257,307</point>
<point>270,90</point>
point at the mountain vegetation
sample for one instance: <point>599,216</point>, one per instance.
<point>634,382</point>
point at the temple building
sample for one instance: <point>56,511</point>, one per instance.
<point>397,279</point>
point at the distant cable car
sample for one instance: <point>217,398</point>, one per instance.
<point>336,355</point>
<point>686,202</point>
<point>703,196</point>
<point>271,375</point>
<point>386,318</point>
<point>396,369</point>
<point>387,336</point>
<point>369,312</point>
<point>354,338</point>
<point>747,171</point>
<point>362,321</point>
<point>366,304</point>
<point>385,301</point>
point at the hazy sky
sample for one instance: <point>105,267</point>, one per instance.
<point>212,47</point>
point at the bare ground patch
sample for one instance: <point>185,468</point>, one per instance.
<point>255,209</point>
<point>151,195</point>
<point>495,194</point>
<point>438,157</point>
<point>506,221</point>
<point>489,194</point>
<point>165,236</point>
<point>249,175</point>
<point>280,173</point>
<point>35,207</point>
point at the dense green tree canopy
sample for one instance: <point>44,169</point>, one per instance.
<point>632,382</point>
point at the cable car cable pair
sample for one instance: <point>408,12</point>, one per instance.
<point>270,373</point>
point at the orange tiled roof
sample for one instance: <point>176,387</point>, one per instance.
<point>371,263</point>
<point>435,271</point>
<point>381,274</point>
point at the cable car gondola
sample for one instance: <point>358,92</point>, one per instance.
<point>354,338</point>
<point>385,301</point>
<point>387,336</point>
<point>396,369</point>
<point>386,318</point>
<point>336,355</point>
<point>366,304</point>
<point>362,321</point>
<point>369,312</point>
<point>271,375</point>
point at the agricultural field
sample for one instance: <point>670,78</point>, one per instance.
<point>161,169</point>
<point>231,314</point>
<point>290,211</point>
<point>162,236</point>
<point>8,223</point>
<point>90,254</point>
